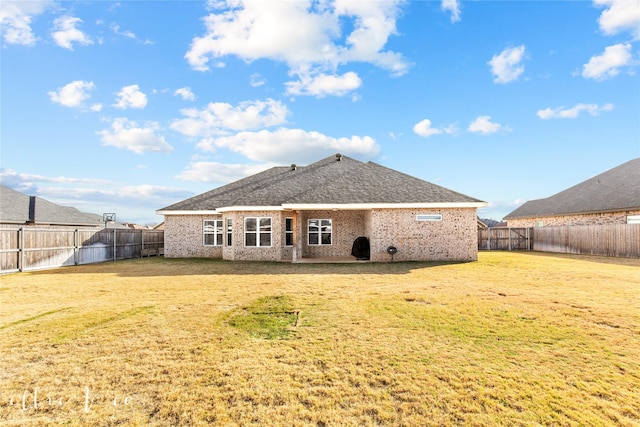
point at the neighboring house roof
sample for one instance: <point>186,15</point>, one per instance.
<point>19,208</point>
<point>615,190</point>
<point>335,182</point>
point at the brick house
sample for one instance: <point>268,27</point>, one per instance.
<point>613,197</point>
<point>318,211</point>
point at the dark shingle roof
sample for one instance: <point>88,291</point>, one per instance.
<point>327,181</point>
<point>19,208</point>
<point>617,189</point>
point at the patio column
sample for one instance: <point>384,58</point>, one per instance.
<point>297,245</point>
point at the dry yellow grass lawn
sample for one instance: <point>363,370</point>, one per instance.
<point>513,339</point>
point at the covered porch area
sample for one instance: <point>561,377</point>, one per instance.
<point>330,260</point>
<point>327,235</point>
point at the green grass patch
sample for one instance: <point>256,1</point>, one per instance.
<point>270,317</point>
<point>72,327</point>
<point>32,318</point>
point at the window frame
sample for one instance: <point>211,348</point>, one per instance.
<point>633,219</point>
<point>320,231</point>
<point>429,217</point>
<point>217,231</point>
<point>229,231</point>
<point>288,232</point>
<point>258,233</point>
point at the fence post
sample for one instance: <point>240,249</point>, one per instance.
<point>488,238</point>
<point>141,242</point>
<point>115,238</point>
<point>21,249</point>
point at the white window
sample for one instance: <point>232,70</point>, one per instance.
<point>257,232</point>
<point>288,232</point>
<point>319,231</point>
<point>429,217</point>
<point>229,231</point>
<point>633,219</point>
<point>213,232</point>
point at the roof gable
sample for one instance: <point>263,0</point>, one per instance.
<point>335,180</point>
<point>617,189</point>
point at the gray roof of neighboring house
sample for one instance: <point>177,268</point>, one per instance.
<point>19,208</point>
<point>615,190</point>
<point>327,181</point>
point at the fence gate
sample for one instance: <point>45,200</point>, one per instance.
<point>505,239</point>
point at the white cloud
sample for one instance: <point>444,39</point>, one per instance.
<point>185,93</point>
<point>307,36</point>
<point>324,84</point>
<point>134,203</point>
<point>128,34</point>
<point>484,125</point>
<point>65,32</point>
<point>128,135</point>
<point>573,112</point>
<point>620,15</point>
<point>218,118</point>
<point>14,178</point>
<point>608,64</point>
<point>452,6</point>
<point>72,94</point>
<point>507,65</point>
<point>131,97</point>
<point>256,80</point>
<point>219,172</point>
<point>284,146</point>
<point>15,20</point>
<point>423,128</point>
<point>124,33</point>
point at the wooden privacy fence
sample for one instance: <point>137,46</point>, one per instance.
<point>617,240</point>
<point>504,239</point>
<point>25,248</point>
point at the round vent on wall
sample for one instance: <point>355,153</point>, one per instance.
<point>392,250</point>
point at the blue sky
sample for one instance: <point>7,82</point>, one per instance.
<point>130,106</point>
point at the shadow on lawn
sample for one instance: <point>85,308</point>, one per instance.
<point>631,262</point>
<point>160,266</point>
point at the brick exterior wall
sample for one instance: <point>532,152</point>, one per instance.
<point>452,239</point>
<point>562,220</point>
<point>455,238</point>
<point>183,237</point>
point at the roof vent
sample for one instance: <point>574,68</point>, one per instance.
<point>339,157</point>
<point>293,166</point>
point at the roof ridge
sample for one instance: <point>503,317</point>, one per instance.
<point>615,189</point>
<point>300,173</point>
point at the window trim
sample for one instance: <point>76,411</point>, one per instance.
<point>229,232</point>
<point>320,232</point>
<point>257,232</point>
<point>429,217</point>
<point>288,232</point>
<point>217,232</point>
<point>633,219</point>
